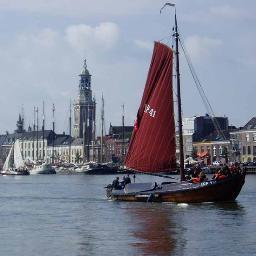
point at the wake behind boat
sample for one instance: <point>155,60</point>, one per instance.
<point>153,148</point>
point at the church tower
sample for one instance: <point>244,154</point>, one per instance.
<point>84,109</point>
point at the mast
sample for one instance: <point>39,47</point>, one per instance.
<point>37,134</point>
<point>70,138</point>
<point>102,128</point>
<point>53,129</point>
<point>94,132</point>
<point>88,132</point>
<point>176,36</point>
<point>34,128</point>
<point>123,153</point>
<point>43,130</point>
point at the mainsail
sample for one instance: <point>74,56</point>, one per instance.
<point>152,147</point>
<point>18,159</point>
<point>8,162</point>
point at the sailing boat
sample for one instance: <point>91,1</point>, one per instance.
<point>100,168</point>
<point>153,149</point>
<point>41,167</point>
<point>14,164</point>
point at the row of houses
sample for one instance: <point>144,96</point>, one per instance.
<point>231,144</point>
<point>199,134</point>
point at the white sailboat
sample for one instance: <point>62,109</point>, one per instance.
<point>14,163</point>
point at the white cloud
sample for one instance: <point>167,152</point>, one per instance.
<point>201,47</point>
<point>83,37</point>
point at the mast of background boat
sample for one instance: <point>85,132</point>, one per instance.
<point>43,131</point>
<point>53,129</point>
<point>34,128</point>
<point>88,133</point>
<point>123,153</point>
<point>37,134</point>
<point>94,133</point>
<point>102,124</point>
<point>176,36</point>
<point>69,153</point>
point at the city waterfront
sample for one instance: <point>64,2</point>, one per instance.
<point>70,215</point>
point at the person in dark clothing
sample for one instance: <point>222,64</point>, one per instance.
<point>127,179</point>
<point>115,183</point>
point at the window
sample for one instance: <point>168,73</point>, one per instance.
<point>247,136</point>
<point>244,150</point>
<point>254,136</point>
<point>214,151</point>
<point>220,150</point>
<point>249,150</point>
<point>254,150</point>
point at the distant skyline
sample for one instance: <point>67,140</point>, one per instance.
<point>43,45</point>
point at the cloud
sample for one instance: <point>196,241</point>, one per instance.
<point>79,8</point>
<point>229,12</point>
<point>83,37</point>
<point>144,44</point>
<point>45,38</point>
<point>201,47</point>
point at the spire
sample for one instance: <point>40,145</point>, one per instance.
<point>85,78</point>
<point>20,124</point>
<point>85,71</point>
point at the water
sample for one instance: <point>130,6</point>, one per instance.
<point>69,215</point>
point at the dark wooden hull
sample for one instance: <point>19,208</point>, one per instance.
<point>101,170</point>
<point>185,192</point>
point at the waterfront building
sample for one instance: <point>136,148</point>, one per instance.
<point>204,126</point>
<point>244,142</point>
<point>188,131</point>
<point>117,142</point>
<point>213,150</point>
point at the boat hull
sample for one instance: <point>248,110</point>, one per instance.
<point>185,192</point>
<point>43,169</point>
<point>11,172</point>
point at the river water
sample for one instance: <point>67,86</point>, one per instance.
<point>69,215</point>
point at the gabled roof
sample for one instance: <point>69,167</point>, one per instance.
<point>251,124</point>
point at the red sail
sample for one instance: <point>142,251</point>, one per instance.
<point>152,147</point>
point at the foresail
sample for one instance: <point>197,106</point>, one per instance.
<point>18,159</point>
<point>152,147</point>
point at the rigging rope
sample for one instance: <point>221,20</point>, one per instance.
<point>201,91</point>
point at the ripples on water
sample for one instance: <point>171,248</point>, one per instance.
<point>69,215</point>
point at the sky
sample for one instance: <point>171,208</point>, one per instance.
<point>43,44</point>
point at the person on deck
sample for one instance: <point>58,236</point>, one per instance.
<point>200,178</point>
<point>127,179</point>
<point>219,175</point>
<point>115,183</point>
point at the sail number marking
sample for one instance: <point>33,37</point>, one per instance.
<point>150,110</point>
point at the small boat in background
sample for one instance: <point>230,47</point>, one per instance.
<point>43,168</point>
<point>100,169</point>
<point>14,164</point>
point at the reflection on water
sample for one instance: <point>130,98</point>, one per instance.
<point>155,229</point>
<point>69,215</point>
